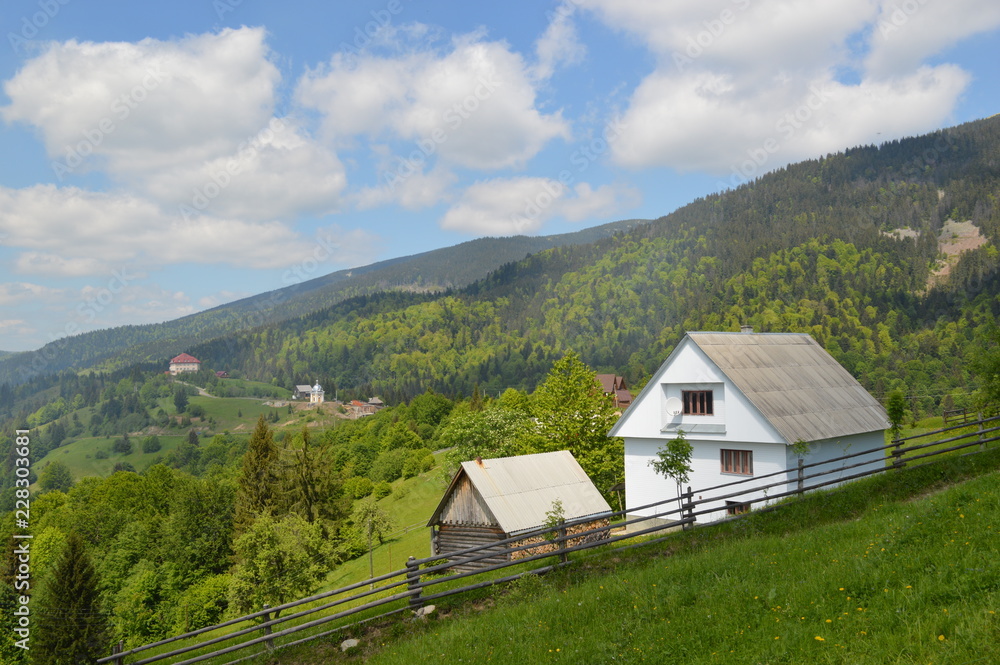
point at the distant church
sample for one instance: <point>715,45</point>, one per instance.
<point>316,394</point>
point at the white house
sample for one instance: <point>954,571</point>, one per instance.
<point>316,394</point>
<point>743,400</point>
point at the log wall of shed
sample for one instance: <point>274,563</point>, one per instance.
<point>466,506</point>
<point>456,538</point>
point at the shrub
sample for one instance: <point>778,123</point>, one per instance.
<point>151,444</point>
<point>358,487</point>
<point>381,490</point>
<point>122,446</point>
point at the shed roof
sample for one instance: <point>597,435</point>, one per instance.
<point>519,491</point>
<point>794,383</point>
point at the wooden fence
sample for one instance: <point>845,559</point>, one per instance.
<point>406,589</point>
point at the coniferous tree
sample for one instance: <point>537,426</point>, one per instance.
<point>70,627</point>
<point>258,481</point>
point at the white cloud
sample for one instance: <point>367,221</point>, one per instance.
<point>279,173</point>
<point>745,87</point>
<point>559,45</point>
<point>473,106</point>
<point>12,293</point>
<point>73,232</point>
<point>408,185</point>
<point>905,33</point>
<point>144,106</point>
<point>702,122</point>
<point>513,206</point>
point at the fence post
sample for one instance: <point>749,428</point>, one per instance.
<point>982,438</point>
<point>897,455</point>
<point>266,630</point>
<point>801,478</point>
<point>562,541</point>
<point>688,507</point>
<point>413,583</point>
<point>118,648</point>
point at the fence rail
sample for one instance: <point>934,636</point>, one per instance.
<point>405,587</point>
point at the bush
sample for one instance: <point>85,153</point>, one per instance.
<point>151,444</point>
<point>417,462</point>
<point>196,411</point>
<point>358,487</point>
<point>381,490</point>
<point>123,466</point>
<point>102,454</point>
<point>122,446</point>
<point>388,466</point>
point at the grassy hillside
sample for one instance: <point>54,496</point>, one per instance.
<point>896,569</point>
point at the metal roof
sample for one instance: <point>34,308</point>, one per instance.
<point>799,387</point>
<point>519,491</point>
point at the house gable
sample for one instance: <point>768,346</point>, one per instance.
<point>688,369</point>
<point>772,387</point>
<point>465,505</point>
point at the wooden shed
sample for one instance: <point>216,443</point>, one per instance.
<point>492,500</point>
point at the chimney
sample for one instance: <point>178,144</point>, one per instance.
<point>746,329</point>
<point>479,461</point>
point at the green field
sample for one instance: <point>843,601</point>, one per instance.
<point>80,456</point>
<point>901,568</point>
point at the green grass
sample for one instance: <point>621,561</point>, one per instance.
<point>901,568</point>
<point>80,455</point>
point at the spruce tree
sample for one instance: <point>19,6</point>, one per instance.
<point>257,484</point>
<point>69,627</point>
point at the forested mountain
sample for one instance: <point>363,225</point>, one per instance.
<point>843,247</point>
<point>433,271</point>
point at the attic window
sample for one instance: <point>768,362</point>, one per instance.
<point>698,402</point>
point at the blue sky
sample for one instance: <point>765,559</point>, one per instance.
<point>164,158</point>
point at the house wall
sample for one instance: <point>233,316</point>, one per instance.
<point>832,448</point>
<point>644,486</point>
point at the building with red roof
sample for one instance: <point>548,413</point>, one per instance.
<point>184,363</point>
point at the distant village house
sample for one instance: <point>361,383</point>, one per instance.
<point>615,388</point>
<point>184,363</point>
